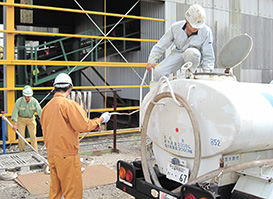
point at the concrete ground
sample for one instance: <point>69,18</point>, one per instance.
<point>129,150</point>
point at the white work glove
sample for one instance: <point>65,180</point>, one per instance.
<point>106,117</point>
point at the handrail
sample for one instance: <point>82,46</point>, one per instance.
<point>98,110</point>
<point>92,134</point>
<point>70,63</point>
<point>67,53</point>
<point>75,87</point>
<point>76,36</point>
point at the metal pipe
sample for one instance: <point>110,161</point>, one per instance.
<point>4,65</point>
<point>6,119</point>
<point>92,134</point>
<point>71,63</point>
<point>3,136</point>
<point>77,87</point>
<point>140,95</point>
<point>76,36</point>
<point>115,124</point>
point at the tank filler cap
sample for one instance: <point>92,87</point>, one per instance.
<point>235,51</point>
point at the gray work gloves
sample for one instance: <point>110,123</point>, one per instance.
<point>106,117</point>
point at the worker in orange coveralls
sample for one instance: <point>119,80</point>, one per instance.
<point>62,119</point>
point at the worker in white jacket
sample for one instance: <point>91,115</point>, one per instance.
<point>193,42</point>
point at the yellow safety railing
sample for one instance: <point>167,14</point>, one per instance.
<point>76,36</point>
<point>10,61</point>
<point>71,63</point>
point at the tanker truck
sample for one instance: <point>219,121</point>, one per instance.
<point>204,137</point>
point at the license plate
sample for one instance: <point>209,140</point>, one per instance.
<point>178,173</point>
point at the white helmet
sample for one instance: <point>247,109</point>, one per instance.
<point>62,81</point>
<point>196,16</point>
<point>27,91</point>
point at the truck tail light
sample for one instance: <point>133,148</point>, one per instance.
<point>126,172</point>
<point>200,191</point>
<point>189,196</point>
<point>129,176</point>
<point>122,173</point>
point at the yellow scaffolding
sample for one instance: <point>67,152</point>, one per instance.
<point>10,61</point>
